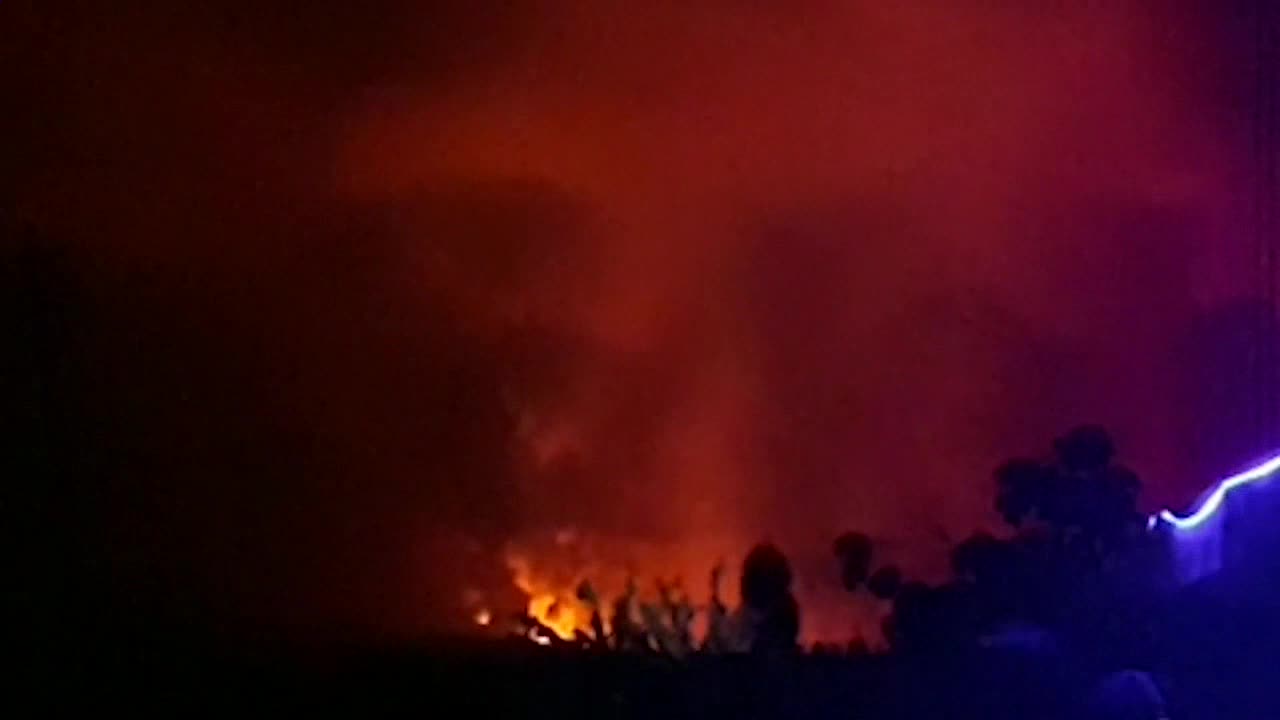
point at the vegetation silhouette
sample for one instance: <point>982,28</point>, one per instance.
<point>1072,517</point>
<point>1057,579</point>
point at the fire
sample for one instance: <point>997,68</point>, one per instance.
<point>549,568</point>
<point>482,617</point>
<point>554,611</point>
<point>553,604</point>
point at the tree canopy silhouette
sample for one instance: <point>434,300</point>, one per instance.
<point>1080,495</point>
<point>1070,514</point>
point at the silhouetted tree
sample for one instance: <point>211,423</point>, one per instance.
<point>588,596</point>
<point>853,550</point>
<point>1070,514</point>
<point>978,558</point>
<point>1085,449</point>
<point>931,618</point>
<point>720,629</point>
<point>1023,491</point>
<point>1080,496</point>
<point>885,582</point>
<point>771,609</point>
<point>628,633</point>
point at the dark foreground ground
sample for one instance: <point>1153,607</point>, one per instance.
<point>1214,659</point>
<point>502,681</point>
<point>496,681</point>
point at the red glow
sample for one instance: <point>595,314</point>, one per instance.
<point>379,300</point>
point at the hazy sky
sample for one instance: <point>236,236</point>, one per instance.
<point>375,287</point>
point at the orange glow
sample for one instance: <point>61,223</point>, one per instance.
<point>550,603</point>
<point>548,567</point>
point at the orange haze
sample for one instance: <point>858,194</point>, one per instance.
<point>403,288</point>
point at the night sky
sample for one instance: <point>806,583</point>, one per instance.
<point>358,294</point>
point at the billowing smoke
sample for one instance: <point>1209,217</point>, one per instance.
<point>379,294</point>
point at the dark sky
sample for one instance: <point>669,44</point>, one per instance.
<point>368,289</point>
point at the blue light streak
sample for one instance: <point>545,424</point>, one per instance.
<point>1212,503</point>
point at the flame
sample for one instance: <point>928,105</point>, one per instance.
<point>482,617</point>
<point>554,604</point>
<point>547,568</point>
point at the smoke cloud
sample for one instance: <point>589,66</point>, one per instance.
<point>377,292</point>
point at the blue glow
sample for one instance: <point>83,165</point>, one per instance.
<point>1219,494</point>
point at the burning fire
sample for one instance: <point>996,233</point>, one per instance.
<point>548,569</point>
<point>555,605</point>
